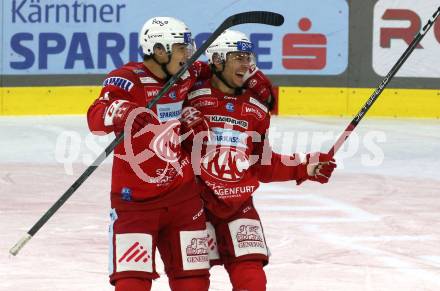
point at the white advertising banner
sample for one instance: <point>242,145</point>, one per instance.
<point>396,22</point>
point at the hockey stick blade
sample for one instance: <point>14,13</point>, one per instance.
<point>261,17</point>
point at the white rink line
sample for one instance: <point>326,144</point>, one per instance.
<point>260,196</point>
<point>398,262</point>
<point>353,214</point>
<point>385,238</point>
<point>323,219</point>
<point>281,208</point>
<point>432,260</point>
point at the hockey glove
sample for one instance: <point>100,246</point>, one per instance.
<point>260,85</point>
<point>202,70</point>
<point>120,112</point>
<point>317,167</point>
<point>193,122</point>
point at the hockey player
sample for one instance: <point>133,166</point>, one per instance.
<point>238,156</point>
<point>154,197</point>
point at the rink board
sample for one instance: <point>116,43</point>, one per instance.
<point>292,101</point>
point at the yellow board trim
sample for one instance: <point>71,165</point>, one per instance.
<point>47,100</point>
<point>420,103</point>
<point>292,101</point>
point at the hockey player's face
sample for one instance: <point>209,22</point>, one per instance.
<point>179,56</point>
<point>237,64</point>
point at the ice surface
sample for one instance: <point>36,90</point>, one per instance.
<point>375,226</point>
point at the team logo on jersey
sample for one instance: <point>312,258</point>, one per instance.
<point>226,164</point>
<point>228,120</point>
<point>230,107</point>
<point>166,144</point>
<point>172,95</point>
<point>119,82</point>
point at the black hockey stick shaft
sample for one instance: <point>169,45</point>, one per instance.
<point>260,17</point>
<point>344,136</point>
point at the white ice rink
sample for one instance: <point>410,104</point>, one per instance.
<point>375,226</point>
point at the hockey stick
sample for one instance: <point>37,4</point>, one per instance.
<point>344,136</point>
<point>261,17</point>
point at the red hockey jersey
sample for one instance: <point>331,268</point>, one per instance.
<point>238,156</point>
<point>148,167</point>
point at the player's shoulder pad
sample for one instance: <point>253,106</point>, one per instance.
<point>124,77</point>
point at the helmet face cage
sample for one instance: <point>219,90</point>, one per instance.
<point>164,31</point>
<point>229,41</point>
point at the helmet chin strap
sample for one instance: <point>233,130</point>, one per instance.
<point>164,66</point>
<point>219,74</point>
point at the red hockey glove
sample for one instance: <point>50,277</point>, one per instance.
<point>259,84</point>
<point>118,114</point>
<point>318,167</point>
<point>193,122</point>
<point>202,70</point>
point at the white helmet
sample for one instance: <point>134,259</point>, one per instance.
<point>164,30</point>
<point>228,41</point>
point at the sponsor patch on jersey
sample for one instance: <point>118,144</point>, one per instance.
<point>228,120</point>
<point>205,102</point>
<point>148,80</point>
<point>194,249</point>
<point>199,92</point>
<point>227,137</point>
<point>247,237</point>
<point>233,192</point>
<point>119,82</point>
<point>138,71</point>
<point>169,111</point>
<point>258,103</point>
<point>249,109</point>
<point>151,91</point>
<point>134,252</point>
